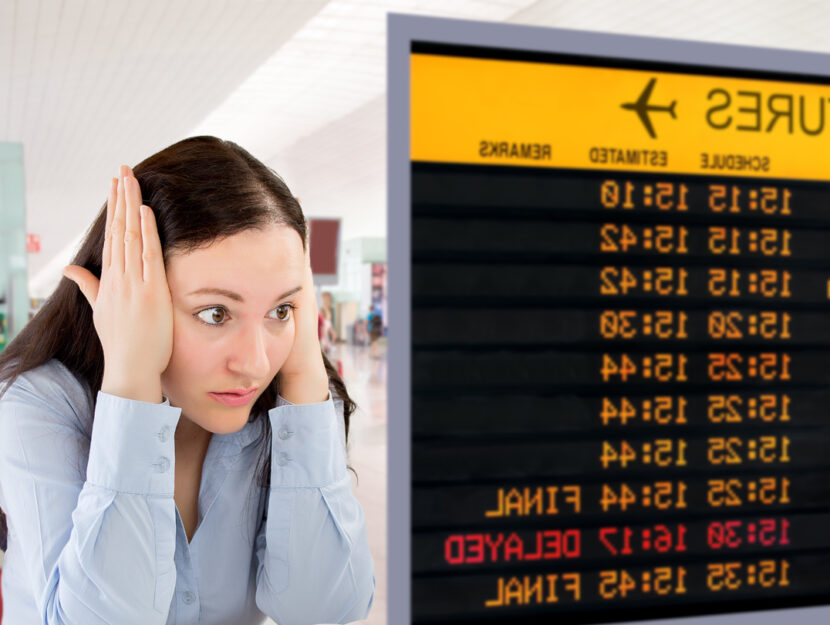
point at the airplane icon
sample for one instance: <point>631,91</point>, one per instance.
<point>642,107</point>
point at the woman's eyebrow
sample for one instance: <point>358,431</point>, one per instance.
<point>236,296</point>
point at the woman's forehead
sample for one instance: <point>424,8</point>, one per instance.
<point>274,254</point>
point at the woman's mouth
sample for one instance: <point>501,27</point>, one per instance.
<point>234,398</point>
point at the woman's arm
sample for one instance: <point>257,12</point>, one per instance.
<point>99,547</point>
<point>314,563</point>
<point>313,559</point>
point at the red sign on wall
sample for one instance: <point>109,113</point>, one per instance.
<point>33,243</point>
<point>323,244</point>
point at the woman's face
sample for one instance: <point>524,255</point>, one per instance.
<point>233,322</point>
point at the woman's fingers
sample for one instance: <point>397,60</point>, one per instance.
<point>119,224</point>
<point>132,312</point>
<point>86,281</point>
<point>132,235</point>
<point>112,197</point>
<point>151,254</point>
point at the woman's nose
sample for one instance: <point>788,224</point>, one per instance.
<point>249,356</point>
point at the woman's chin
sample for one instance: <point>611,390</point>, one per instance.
<point>228,420</point>
<point>215,417</point>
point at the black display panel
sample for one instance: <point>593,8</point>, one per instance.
<point>619,376</point>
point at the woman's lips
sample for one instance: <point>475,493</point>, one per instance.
<point>233,399</point>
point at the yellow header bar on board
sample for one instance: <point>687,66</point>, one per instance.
<point>485,111</point>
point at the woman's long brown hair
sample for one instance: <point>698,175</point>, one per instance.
<point>201,190</point>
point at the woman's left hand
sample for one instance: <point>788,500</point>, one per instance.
<point>302,377</point>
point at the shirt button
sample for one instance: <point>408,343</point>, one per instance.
<point>282,459</point>
<point>283,434</point>
<point>162,465</point>
<point>164,434</point>
<point>188,597</point>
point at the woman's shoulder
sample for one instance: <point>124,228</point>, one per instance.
<point>53,390</point>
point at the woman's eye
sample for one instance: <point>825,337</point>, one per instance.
<point>212,316</point>
<point>283,313</point>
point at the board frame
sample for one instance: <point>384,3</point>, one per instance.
<point>402,31</point>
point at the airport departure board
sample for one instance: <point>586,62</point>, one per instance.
<point>620,339</point>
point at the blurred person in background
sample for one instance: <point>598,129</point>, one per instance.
<point>327,335</point>
<point>374,324</point>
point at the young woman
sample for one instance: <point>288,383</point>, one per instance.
<point>172,440</point>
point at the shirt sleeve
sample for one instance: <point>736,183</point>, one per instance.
<point>314,563</point>
<point>99,545</point>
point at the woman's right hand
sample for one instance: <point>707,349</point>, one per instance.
<point>131,303</point>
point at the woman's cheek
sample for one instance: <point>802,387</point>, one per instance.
<point>194,350</point>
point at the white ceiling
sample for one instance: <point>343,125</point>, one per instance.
<point>86,85</point>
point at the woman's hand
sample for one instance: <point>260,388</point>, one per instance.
<point>303,378</point>
<point>131,304</point>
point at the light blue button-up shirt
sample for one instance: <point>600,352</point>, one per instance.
<point>95,536</point>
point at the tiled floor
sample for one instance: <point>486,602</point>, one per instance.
<point>365,378</point>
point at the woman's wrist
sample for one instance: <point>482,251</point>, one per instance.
<point>134,388</point>
<point>305,389</point>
